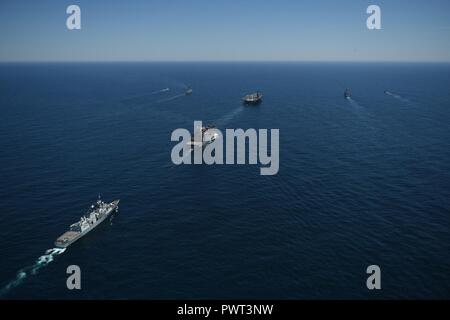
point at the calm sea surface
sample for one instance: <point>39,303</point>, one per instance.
<point>361,182</point>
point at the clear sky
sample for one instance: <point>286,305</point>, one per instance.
<point>231,30</point>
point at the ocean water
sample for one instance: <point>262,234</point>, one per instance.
<point>361,182</point>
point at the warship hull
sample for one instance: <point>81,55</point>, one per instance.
<point>71,237</point>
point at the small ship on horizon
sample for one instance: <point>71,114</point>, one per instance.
<point>253,98</point>
<point>97,214</point>
<point>347,94</point>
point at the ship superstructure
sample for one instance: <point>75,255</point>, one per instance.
<point>98,212</point>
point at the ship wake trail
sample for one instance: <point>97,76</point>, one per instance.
<point>24,273</point>
<point>361,112</point>
<point>136,97</point>
<point>397,97</point>
<point>228,117</point>
<point>354,103</point>
<point>171,98</point>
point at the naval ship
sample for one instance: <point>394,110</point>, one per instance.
<point>96,215</point>
<point>209,135</point>
<point>253,98</point>
<point>347,94</point>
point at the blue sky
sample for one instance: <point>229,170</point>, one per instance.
<point>210,30</point>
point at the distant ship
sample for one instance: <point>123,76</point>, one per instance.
<point>97,214</point>
<point>188,91</point>
<point>253,98</point>
<point>209,135</point>
<point>347,94</point>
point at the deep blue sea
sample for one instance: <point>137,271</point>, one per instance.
<point>361,182</point>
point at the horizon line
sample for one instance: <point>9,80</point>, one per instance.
<point>222,61</point>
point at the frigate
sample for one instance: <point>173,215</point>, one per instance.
<point>98,212</point>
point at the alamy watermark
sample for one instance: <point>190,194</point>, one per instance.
<point>74,279</point>
<point>73,22</point>
<point>207,145</point>
<point>374,280</point>
<point>374,20</point>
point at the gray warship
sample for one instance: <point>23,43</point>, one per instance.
<point>347,94</point>
<point>209,135</point>
<point>96,215</point>
<point>253,98</point>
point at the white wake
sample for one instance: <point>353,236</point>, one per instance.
<point>397,96</point>
<point>23,273</point>
<point>354,103</point>
<point>171,98</point>
<point>134,97</point>
<point>223,121</point>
